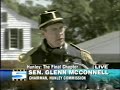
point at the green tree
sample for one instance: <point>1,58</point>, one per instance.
<point>88,19</point>
<point>29,11</point>
<point>12,4</point>
<point>29,2</point>
<point>108,11</point>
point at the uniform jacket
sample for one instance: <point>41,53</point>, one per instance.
<point>44,55</point>
<point>68,53</point>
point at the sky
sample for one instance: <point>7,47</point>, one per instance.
<point>42,2</point>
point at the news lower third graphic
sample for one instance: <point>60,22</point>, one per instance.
<point>5,75</point>
<point>19,75</point>
<point>59,72</point>
<point>98,74</point>
<point>13,75</point>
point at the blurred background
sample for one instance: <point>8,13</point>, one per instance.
<point>86,19</point>
<point>93,25</point>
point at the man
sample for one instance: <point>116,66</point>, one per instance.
<point>54,49</point>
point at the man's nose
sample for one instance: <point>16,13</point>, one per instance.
<point>60,32</point>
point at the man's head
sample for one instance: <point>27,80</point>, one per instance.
<point>53,28</point>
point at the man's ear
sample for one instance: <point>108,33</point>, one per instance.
<point>42,31</point>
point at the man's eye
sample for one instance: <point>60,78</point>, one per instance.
<point>63,27</point>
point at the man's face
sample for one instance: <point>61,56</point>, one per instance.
<point>55,34</point>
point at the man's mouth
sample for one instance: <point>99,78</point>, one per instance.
<point>60,39</point>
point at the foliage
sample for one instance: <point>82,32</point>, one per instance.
<point>12,4</point>
<point>88,19</point>
<point>27,9</point>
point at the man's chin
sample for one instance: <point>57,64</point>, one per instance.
<point>59,44</point>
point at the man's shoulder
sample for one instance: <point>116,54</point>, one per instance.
<point>81,50</point>
<point>24,56</point>
<point>85,55</point>
<point>32,50</point>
